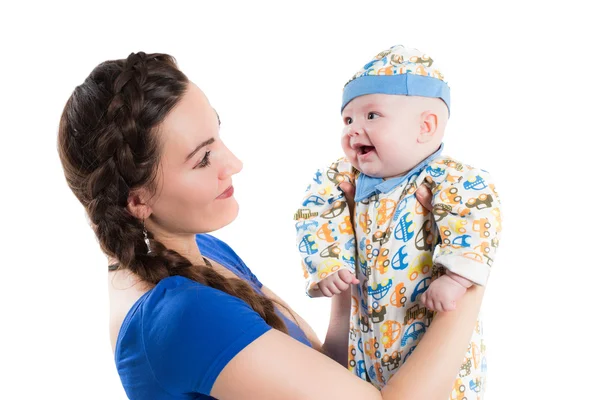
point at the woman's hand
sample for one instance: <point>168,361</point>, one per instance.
<point>424,196</point>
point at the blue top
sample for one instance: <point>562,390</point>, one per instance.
<point>178,336</point>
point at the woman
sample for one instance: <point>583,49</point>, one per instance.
<point>141,150</point>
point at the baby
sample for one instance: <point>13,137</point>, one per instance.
<point>395,111</point>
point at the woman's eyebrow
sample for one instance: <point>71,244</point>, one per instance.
<point>201,145</point>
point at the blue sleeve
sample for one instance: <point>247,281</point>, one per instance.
<point>192,331</point>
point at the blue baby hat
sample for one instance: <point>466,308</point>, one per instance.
<point>398,70</point>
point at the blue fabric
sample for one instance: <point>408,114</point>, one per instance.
<point>177,338</point>
<point>403,84</point>
<point>367,186</point>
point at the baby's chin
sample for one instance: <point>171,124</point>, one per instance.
<point>378,172</point>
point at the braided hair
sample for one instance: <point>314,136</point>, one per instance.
<point>108,146</point>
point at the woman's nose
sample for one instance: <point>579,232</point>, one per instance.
<point>231,166</point>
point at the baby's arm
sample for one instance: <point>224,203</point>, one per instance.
<point>324,232</point>
<point>467,213</point>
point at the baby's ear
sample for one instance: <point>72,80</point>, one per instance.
<point>428,126</point>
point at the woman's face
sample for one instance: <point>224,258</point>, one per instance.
<point>194,192</point>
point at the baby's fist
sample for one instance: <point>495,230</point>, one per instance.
<point>337,282</point>
<point>442,294</point>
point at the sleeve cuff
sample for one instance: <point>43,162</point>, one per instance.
<point>474,271</point>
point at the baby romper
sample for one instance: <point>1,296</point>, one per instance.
<point>396,248</point>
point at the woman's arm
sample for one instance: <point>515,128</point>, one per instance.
<point>439,353</point>
<point>276,366</point>
<point>336,341</point>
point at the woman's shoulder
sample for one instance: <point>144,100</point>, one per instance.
<point>182,330</point>
<point>174,297</point>
<point>221,252</point>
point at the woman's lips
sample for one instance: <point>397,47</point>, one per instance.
<point>227,193</point>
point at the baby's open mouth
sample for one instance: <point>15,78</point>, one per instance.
<point>365,149</point>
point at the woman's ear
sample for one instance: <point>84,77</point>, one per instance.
<point>428,126</point>
<point>137,204</point>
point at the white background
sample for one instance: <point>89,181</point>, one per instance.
<point>524,78</point>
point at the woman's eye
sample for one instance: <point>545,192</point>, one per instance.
<point>372,115</point>
<point>205,162</point>
<point>348,120</point>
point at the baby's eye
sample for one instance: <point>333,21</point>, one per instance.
<point>347,120</point>
<point>372,115</point>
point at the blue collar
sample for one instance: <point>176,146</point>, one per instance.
<point>367,186</point>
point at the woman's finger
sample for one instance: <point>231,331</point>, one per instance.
<point>424,196</point>
<point>349,191</point>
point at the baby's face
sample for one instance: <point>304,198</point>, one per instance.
<point>380,134</point>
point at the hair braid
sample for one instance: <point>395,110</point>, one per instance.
<point>108,146</point>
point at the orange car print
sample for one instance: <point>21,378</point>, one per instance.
<point>382,262</point>
<point>473,256</point>
<point>346,226</point>
<point>398,298</point>
<point>385,211</point>
<point>371,349</point>
<point>498,217</point>
<point>458,391</point>
<point>364,221</point>
<point>484,248</point>
<point>326,233</point>
<point>450,196</point>
<point>445,235</point>
<point>391,331</point>
<point>482,226</point>
<point>352,356</point>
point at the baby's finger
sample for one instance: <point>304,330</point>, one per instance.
<point>449,306</point>
<point>325,290</point>
<point>341,285</point>
<point>423,298</point>
<point>347,277</point>
<point>430,305</point>
<point>333,289</point>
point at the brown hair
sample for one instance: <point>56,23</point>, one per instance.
<point>108,145</point>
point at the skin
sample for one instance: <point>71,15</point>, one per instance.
<point>187,201</point>
<point>386,136</point>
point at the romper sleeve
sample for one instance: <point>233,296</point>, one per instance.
<point>191,333</point>
<point>468,216</point>
<point>324,231</point>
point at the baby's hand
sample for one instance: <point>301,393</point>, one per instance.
<point>337,282</point>
<point>443,292</point>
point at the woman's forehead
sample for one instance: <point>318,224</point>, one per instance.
<point>192,121</point>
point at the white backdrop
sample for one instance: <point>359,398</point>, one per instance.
<point>524,79</point>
